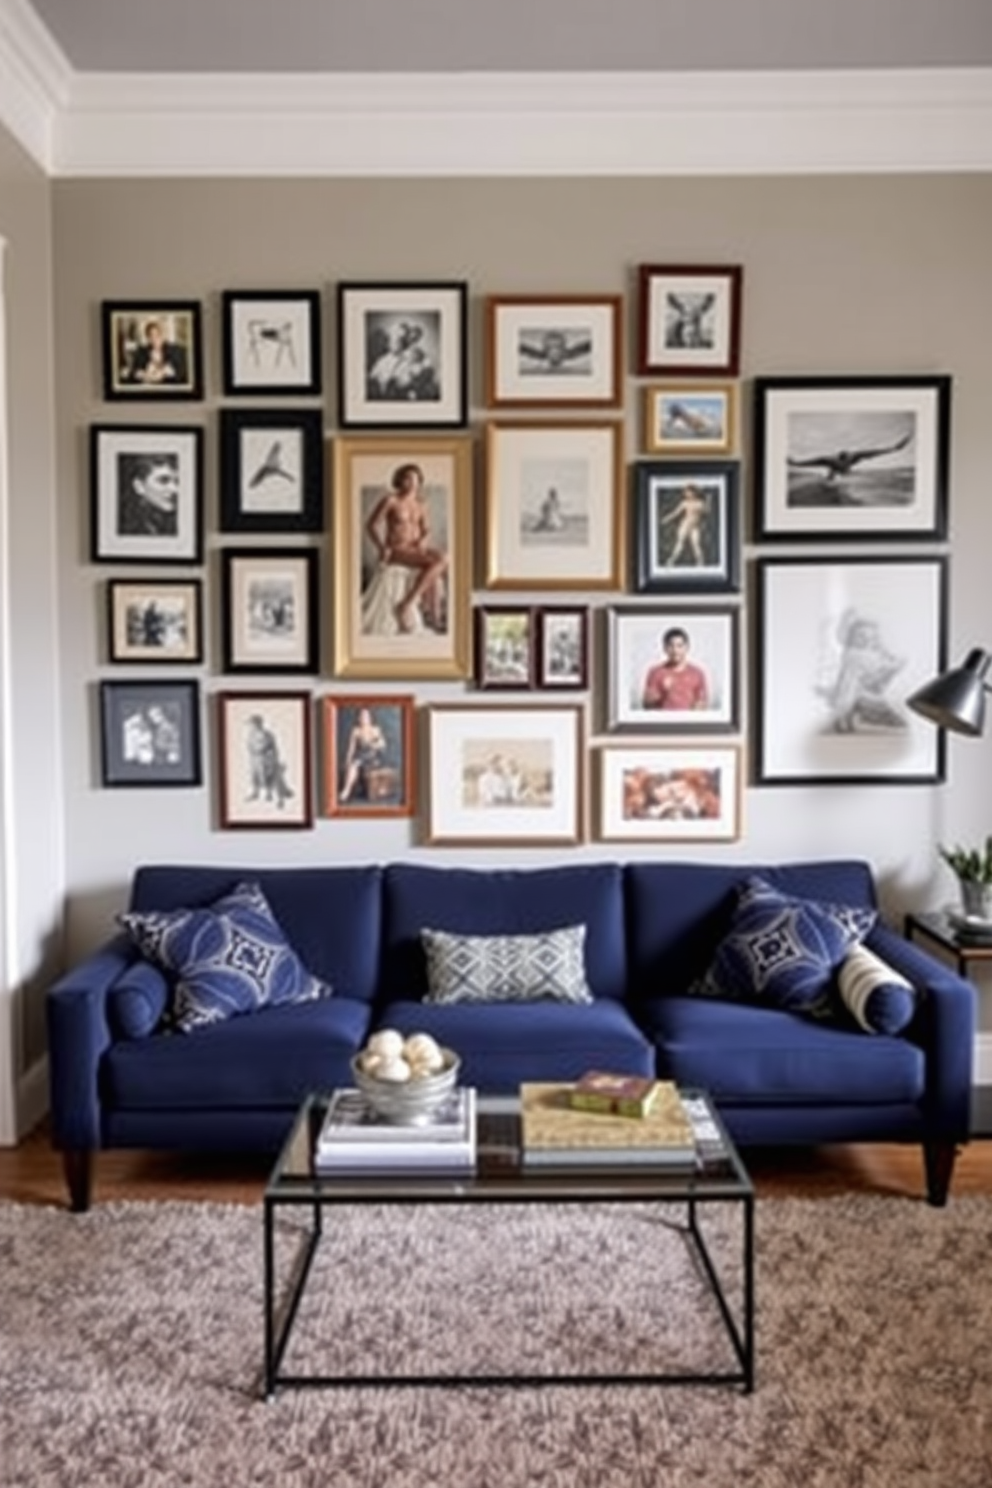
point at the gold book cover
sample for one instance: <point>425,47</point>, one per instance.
<point>549,1120</point>
<point>627,1095</point>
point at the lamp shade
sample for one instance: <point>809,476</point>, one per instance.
<point>956,699</point>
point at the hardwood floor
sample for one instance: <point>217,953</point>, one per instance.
<point>31,1173</point>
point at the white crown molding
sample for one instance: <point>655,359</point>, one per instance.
<point>35,79</point>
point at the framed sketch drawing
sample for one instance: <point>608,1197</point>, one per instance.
<point>505,775</point>
<point>689,319</point>
<point>843,643</point>
<point>402,556</point>
<point>673,670</point>
<point>402,358</point>
<point>562,658</point>
<point>152,350</point>
<point>543,351</point>
<point>369,756</point>
<point>264,760</point>
<point>271,470</point>
<point>686,526</point>
<point>669,793</point>
<point>271,342</point>
<point>554,503</point>
<point>145,494</point>
<point>150,733</point>
<point>154,621</point>
<point>681,418</point>
<point>269,609</point>
<point>851,458</point>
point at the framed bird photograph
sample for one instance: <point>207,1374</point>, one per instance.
<point>851,458</point>
<point>271,470</point>
<point>544,351</point>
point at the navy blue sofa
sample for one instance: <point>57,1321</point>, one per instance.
<point>651,928</point>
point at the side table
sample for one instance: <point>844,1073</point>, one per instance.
<point>935,927</point>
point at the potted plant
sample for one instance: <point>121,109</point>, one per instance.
<point>973,867</point>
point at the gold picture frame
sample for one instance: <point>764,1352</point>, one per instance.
<point>691,418</point>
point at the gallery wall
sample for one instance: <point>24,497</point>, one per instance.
<point>840,276</point>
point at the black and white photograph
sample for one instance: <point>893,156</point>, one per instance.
<point>270,609</point>
<point>265,760</point>
<point>154,622</point>
<point>402,355</point>
<point>851,458</point>
<point>686,526</point>
<point>843,643</point>
<point>271,342</point>
<point>672,670</point>
<point>152,350</point>
<point>146,494</point>
<point>543,351</point>
<point>150,733</point>
<point>271,470</point>
<point>562,653</point>
<point>689,319</point>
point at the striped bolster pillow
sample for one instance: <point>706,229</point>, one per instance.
<point>878,998</point>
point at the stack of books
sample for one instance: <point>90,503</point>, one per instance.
<point>626,1095</point>
<point>556,1134</point>
<point>353,1139</point>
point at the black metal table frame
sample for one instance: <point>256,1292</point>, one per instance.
<point>277,1336</point>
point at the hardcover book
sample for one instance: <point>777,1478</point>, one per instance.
<point>354,1139</point>
<point>555,1133</point>
<point>627,1095</point>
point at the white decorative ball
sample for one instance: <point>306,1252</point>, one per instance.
<point>423,1052</point>
<point>371,1063</point>
<point>396,1071</point>
<point>388,1043</point>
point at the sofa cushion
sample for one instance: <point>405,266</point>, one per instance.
<point>879,998</point>
<point>138,1000</point>
<point>506,968</point>
<point>228,959</point>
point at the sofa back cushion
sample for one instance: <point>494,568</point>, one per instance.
<point>331,916</point>
<point>498,901</point>
<point>678,913</point>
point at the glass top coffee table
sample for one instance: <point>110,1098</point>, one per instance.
<point>501,1177</point>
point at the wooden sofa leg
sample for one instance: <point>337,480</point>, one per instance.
<point>78,1166</point>
<point>938,1162</point>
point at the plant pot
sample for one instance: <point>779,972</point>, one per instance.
<point>976,899</point>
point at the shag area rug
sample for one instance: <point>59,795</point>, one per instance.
<point>131,1348</point>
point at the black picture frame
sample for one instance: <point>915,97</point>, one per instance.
<point>689,319</point>
<point>154,622</point>
<point>150,733</point>
<point>270,608</point>
<point>505,647</point>
<point>271,470</point>
<point>152,350</point>
<point>271,342</point>
<point>402,355</point>
<point>645,695</point>
<point>146,493</point>
<point>686,536</point>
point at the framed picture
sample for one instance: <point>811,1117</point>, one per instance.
<point>851,458</point>
<point>843,643</point>
<point>669,793</point>
<point>265,760</point>
<point>146,494</point>
<point>269,609</point>
<point>681,418</point>
<point>154,621</point>
<point>152,349</point>
<point>562,656</point>
<point>402,358</point>
<point>673,670</point>
<point>369,756</point>
<point>547,350</point>
<point>689,319</point>
<point>271,470</point>
<point>504,775</point>
<point>686,526</point>
<point>504,646</point>
<point>271,341</point>
<point>402,556</point>
<point>554,506</point>
<point>150,733</point>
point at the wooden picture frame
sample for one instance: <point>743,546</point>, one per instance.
<point>152,350</point>
<point>271,342</point>
<point>686,526</point>
<point>562,653</point>
<point>146,494</point>
<point>271,470</point>
<point>669,793</point>
<point>505,647</point>
<point>369,755</point>
<point>554,505</point>
<point>154,622</point>
<point>689,319</point>
<point>408,617</point>
<point>695,419</point>
<point>264,761</point>
<point>403,355</point>
<point>673,670</point>
<point>270,607</point>
<point>150,733</point>
<point>544,351</point>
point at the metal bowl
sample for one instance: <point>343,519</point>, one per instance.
<point>408,1102</point>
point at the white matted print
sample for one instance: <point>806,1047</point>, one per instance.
<point>672,670</point>
<point>554,506</point>
<point>689,319</point>
<point>544,350</point>
<point>145,494</point>
<point>264,742</point>
<point>270,609</point>
<point>670,793</point>
<point>402,355</point>
<point>271,341</point>
<point>505,775</point>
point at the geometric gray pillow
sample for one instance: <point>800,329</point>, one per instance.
<point>506,968</point>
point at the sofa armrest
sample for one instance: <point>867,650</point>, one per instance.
<point>944,1028</point>
<point>78,1034</point>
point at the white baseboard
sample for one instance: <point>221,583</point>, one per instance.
<point>32,1097</point>
<point>983,1059</point>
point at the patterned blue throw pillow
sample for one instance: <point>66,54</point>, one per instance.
<point>227,959</point>
<point>506,968</point>
<point>783,951</point>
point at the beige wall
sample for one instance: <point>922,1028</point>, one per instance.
<point>861,275</point>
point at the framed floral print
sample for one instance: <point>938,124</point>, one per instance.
<point>152,350</point>
<point>154,621</point>
<point>686,526</point>
<point>146,502</point>
<point>270,609</point>
<point>369,755</point>
<point>271,342</point>
<point>264,765</point>
<point>402,355</point>
<point>669,793</point>
<point>544,351</point>
<point>271,470</point>
<point>689,319</point>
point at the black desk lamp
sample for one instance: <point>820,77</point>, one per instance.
<point>956,699</point>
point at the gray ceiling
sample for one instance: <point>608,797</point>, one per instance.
<point>515,35</point>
